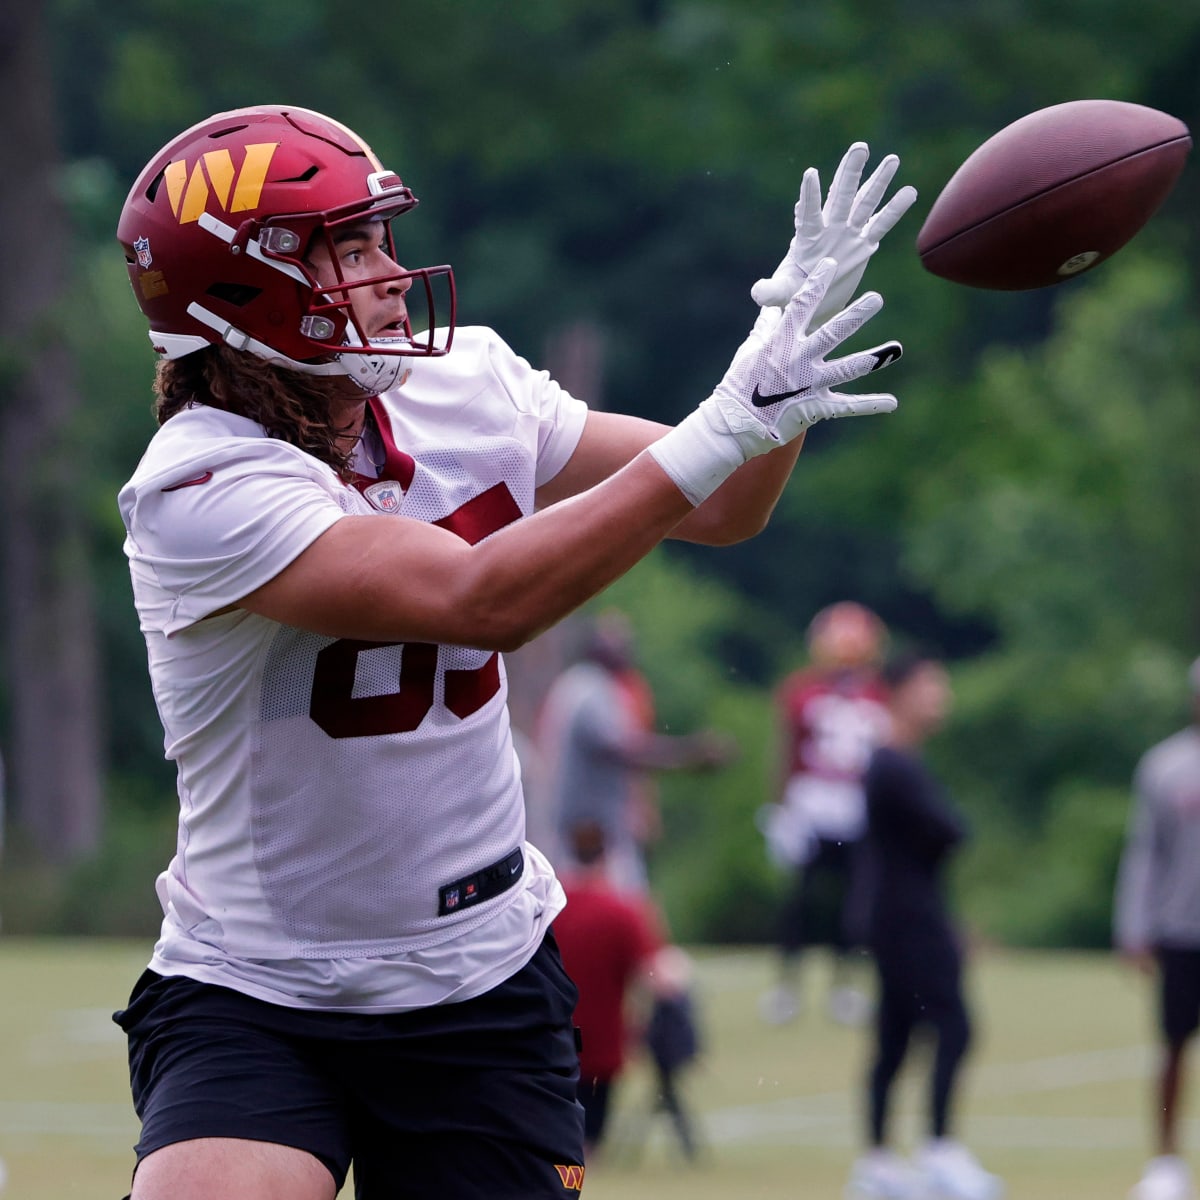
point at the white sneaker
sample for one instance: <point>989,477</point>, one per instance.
<point>849,1006</point>
<point>1165,1178</point>
<point>949,1171</point>
<point>779,1006</point>
<point>882,1175</point>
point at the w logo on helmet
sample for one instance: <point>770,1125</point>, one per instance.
<point>572,1177</point>
<point>214,176</point>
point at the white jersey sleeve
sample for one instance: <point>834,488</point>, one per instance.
<point>560,415</point>
<point>484,390</point>
<point>205,528</point>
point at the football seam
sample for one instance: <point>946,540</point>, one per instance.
<point>1046,191</point>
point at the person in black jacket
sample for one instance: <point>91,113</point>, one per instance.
<point>912,829</point>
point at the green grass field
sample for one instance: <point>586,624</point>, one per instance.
<point>1056,1099</point>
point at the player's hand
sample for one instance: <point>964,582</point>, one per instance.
<point>780,381</point>
<point>847,228</point>
<point>710,749</point>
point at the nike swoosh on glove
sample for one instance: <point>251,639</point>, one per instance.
<point>781,380</point>
<point>779,383</point>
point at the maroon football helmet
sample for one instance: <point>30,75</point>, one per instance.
<point>218,225</point>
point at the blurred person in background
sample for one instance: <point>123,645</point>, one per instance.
<point>912,830</point>
<point>349,511</point>
<point>830,717</point>
<point>614,948</point>
<point>1157,927</point>
<point>3,1168</point>
<point>599,747</point>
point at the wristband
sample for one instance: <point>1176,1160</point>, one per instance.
<point>703,450</point>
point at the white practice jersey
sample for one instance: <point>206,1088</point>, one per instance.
<point>350,812</point>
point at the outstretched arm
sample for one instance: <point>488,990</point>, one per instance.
<point>737,510</point>
<point>395,579</point>
<point>847,226</point>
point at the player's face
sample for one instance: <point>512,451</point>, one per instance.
<point>360,253</point>
<point>848,638</point>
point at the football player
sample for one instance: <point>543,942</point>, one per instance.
<point>350,510</point>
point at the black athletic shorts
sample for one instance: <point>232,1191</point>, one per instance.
<point>475,1099</point>
<point>1179,992</point>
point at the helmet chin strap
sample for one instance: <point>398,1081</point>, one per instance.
<point>374,373</point>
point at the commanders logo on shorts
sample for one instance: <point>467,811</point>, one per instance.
<point>572,1177</point>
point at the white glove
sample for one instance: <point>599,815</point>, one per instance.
<point>847,229</point>
<point>778,384</point>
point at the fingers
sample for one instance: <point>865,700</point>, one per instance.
<point>808,299</point>
<point>808,206</point>
<point>864,362</point>
<point>777,290</point>
<point>889,214</point>
<point>841,325</point>
<point>871,192</point>
<point>845,184</point>
<point>862,406</point>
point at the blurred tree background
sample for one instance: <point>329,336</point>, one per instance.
<point>628,167</point>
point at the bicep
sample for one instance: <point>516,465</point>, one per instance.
<point>370,578</point>
<point>609,441</point>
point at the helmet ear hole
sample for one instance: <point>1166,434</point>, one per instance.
<point>237,294</point>
<point>303,177</point>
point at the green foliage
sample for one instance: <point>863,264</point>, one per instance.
<point>712,871</point>
<point>112,894</point>
<point>634,162</point>
<point>1052,889</point>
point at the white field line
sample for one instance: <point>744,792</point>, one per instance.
<point>834,1118</point>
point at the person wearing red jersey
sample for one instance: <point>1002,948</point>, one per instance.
<point>831,717</point>
<point>610,942</point>
<point>350,510</point>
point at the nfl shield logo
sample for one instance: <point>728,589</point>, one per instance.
<point>142,249</point>
<point>386,495</point>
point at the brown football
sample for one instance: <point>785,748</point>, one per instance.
<point>1053,194</point>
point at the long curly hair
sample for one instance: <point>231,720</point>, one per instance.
<point>289,405</point>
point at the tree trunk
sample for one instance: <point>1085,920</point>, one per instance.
<point>53,742</point>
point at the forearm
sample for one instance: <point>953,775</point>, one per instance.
<point>742,505</point>
<point>534,572</point>
<point>735,511</point>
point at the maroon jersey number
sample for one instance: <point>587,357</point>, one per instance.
<point>341,714</point>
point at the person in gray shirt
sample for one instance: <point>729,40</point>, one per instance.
<point>599,748</point>
<point>1157,926</point>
